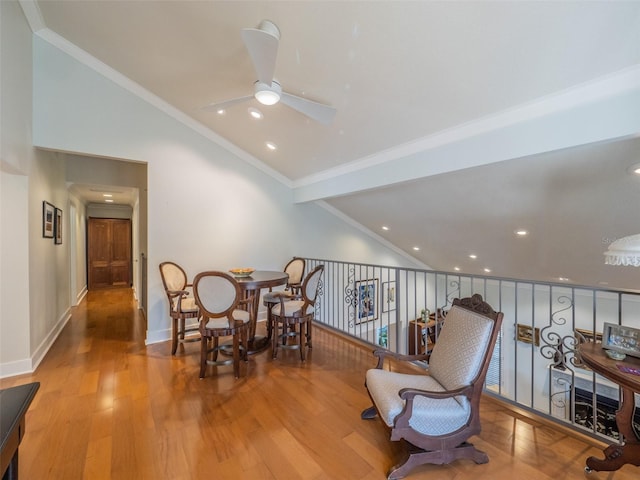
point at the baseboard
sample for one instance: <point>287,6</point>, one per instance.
<point>19,367</point>
<point>29,365</point>
<point>47,343</point>
<point>81,295</point>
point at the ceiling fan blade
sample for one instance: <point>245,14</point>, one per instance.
<point>314,110</point>
<point>262,45</point>
<point>213,107</point>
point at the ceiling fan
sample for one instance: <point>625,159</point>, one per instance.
<point>262,45</point>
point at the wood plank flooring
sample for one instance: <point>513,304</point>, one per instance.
<point>110,407</point>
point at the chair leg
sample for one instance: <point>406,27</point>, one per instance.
<point>308,322</point>
<point>214,355</point>
<point>236,356</point>
<point>274,340</point>
<point>204,347</point>
<point>182,328</point>
<point>269,321</point>
<point>369,413</point>
<point>245,344</point>
<point>174,336</point>
<point>301,339</point>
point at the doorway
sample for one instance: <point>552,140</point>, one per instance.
<point>109,252</point>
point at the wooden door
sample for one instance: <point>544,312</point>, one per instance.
<point>109,252</point>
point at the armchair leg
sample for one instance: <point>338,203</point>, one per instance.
<point>416,456</point>
<point>369,413</point>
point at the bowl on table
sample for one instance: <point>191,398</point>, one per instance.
<point>613,355</point>
<point>242,272</point>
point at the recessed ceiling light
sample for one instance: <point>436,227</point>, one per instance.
<point>108,200</point>
<point>522,232</point>
<point>255,113</point>
<point>487,270</point>
<point>563,279</point>
<point>457,269</point>
<point>416,248</point>
<point>271,145</point>
<point>221,111</point>
<point>107,195</point>
<point>384,227</point>
<point>473,256</point>
<point>634,169</point>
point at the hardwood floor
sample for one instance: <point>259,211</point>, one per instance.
<point>111,408</point>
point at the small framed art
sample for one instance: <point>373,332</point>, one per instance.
<point>57,227</point>
<point>48,219</point>
<point>388,296</point>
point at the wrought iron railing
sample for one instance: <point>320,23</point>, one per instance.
<point>534,365</point>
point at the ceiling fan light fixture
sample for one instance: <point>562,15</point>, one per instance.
<point>268,94</point>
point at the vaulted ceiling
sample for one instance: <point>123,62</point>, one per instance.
<point>457,122</point>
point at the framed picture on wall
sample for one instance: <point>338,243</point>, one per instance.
<point>388,296</point>
<point>366,300</point>
<point>48,216</point>
<point>57,227</point>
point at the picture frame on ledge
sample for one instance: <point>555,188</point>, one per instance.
<point>48,219</point>
<point>621,339</point>
<point>366,300</point>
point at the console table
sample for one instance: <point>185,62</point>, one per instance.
<point>14,403</point>
<point>592,355</point>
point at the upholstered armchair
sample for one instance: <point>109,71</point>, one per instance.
<point>435,413</point>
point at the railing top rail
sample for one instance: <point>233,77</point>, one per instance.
<point>482,277</point>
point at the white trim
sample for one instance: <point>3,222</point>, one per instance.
<point>50,339</point>
<point>32,13</point>
<point>375,236</point>
<point>617,83</point>
<point>29,365</point>
<point>119,79</point>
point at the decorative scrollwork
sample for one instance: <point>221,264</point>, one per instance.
<point>317,306</point>
<point>350,297</point>
<point>455,293</point>
<point>558,399</point>
<point>560,349</point>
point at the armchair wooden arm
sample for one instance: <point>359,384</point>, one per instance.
<point>382,354</point>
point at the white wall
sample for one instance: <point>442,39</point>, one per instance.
<point>34,274</point>
<point>207,208</point>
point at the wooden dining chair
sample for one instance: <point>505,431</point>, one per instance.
<point>294,315</point>
<point>220,299</point>
<point>295,270</point>
<point>182,305</point>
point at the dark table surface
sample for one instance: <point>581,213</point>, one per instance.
<point>14,403</point>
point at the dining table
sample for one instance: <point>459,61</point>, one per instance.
<point>252,285</point>
<point>626,373</point>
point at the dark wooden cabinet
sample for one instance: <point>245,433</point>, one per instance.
<point>422,336</point>
<point>109,252</point>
